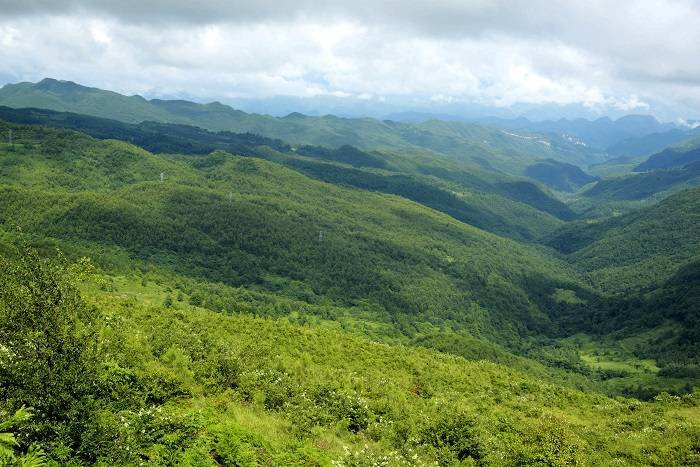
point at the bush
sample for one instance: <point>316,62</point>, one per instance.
<point>454,436</point>
<point>231,449</point>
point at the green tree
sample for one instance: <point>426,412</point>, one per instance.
<point>48,349</point>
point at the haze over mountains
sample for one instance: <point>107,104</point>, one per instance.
<point>601,134</point>
<point>513,147</point>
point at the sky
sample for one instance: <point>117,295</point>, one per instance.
<point>597,57</point>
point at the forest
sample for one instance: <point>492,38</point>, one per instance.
<point>176,295</point>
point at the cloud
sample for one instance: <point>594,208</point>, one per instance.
<point>624,55</point>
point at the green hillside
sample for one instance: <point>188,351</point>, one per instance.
<point>65,96</point>
<point>635,181</point>
<point>636,250</point>
<point>655,185</point>
<point>175,384</point>
<point>648,144</point>
<point>245,221</point>
<point>499,204</point>
<point>171,295</point>
<point>376,263</point>
<point>559,176</point>
<point>678,155</point>
<point>616,167</point>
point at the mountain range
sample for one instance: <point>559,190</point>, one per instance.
<point>191,284</point>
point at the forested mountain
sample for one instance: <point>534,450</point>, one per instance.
<point>640,249</point>
<point>616,167</point>
<point>84,190</point>
<point>675,156</point>
<point>654,184</point>
<point>349,233</point>
<point>648,153</point>
<point>65,96</point>
<point>509,206</point>
<point>246,222</point>
<point>559,176</point>
<point>235,298</point>
<point>650,144</point>
<point>489,148</point>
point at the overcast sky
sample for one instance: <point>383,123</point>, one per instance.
<point>608,56</point>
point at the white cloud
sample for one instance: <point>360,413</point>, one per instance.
<point>623,55</point>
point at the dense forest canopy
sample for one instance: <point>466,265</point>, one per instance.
<point>173,295</point>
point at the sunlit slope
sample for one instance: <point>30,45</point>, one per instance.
<point>508,206</point>
<point>334,390</point>
<point>244,221</point>
<point>175,384</point>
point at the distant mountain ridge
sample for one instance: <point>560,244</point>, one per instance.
<point>482,146</point>
<point>601,133</point>
<point>675,156</point>
<point>649,144</point>
<point>621,137</point>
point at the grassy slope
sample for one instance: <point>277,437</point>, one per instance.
<point>314,395</point>
<point>616,167</point>
<point>177,384</point>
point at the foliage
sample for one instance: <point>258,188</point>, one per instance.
<point>202,388</point>
<point>247,222</point>
<point>559,176</point>
<point>512,219</point>
<point>636,250</point>
<point>9,456</point>
<point>48,349</point>
<point>330,306</point>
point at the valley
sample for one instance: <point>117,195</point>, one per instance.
<point>239,289</point>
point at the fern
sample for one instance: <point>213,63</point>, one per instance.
<point>9,444</point>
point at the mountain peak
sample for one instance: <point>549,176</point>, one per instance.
<point>53,84</point>
<point>638,118</point>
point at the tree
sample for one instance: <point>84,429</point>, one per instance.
<point>47,349</point>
